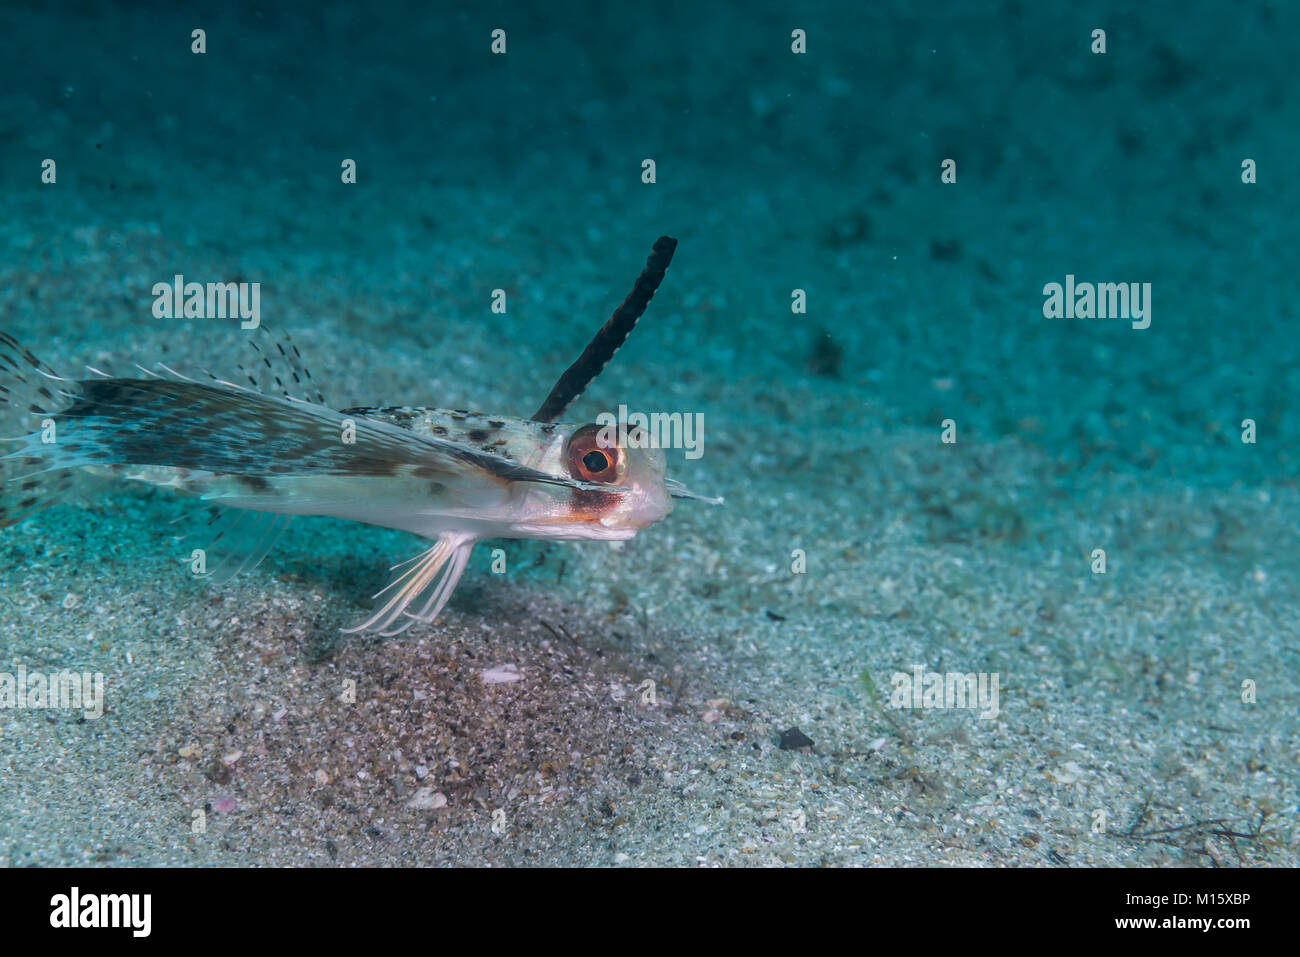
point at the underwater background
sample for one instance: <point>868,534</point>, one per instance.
<point>920,468</point>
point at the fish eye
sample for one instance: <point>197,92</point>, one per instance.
<point>593,459</point>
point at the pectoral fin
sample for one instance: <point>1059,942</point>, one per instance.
<point>420,593</point>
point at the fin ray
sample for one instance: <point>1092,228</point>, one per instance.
<point>28,481</point>
<point>432,578</point>
<point>241,541</point>
<point>575,379</point>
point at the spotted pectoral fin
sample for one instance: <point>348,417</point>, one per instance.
<point>269,363</point>
<point>30,491</point>
<point>28,390</point>
<point>223,428</point>
<point>276,367</point>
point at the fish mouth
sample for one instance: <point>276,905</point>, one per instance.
<point>641,506</point>
<point>630,524</point>
<point>633,522</point>
<point>620,516</point>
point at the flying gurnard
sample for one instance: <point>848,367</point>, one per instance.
<point>268,450</point>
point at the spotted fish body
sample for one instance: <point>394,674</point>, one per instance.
<point>514,482</point>
<point>538,509</point>
<point>451,476</point>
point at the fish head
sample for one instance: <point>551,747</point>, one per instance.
<point>622,486</point>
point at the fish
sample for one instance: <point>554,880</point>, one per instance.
<point>268,448</point>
